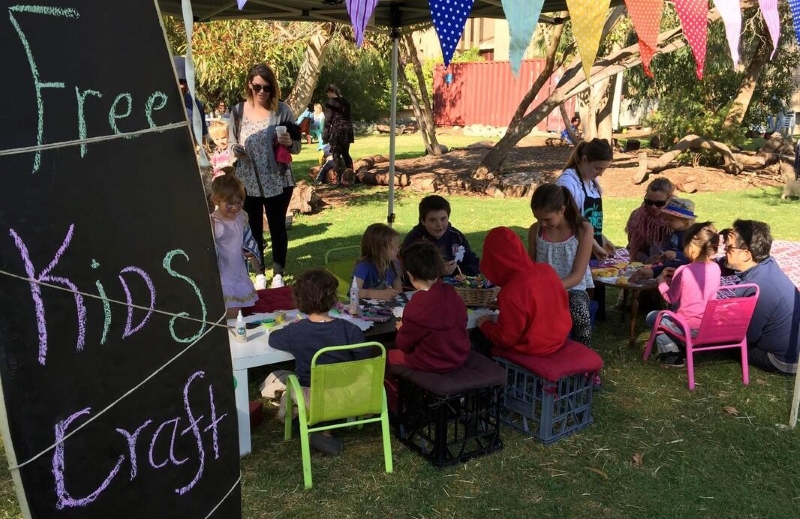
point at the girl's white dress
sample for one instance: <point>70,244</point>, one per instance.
<point>236,285</point>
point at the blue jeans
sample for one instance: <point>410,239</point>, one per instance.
<point>664,342</point>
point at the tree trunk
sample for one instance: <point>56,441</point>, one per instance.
<point>741,102</point>
<point>572,84</point>
<point>308,74</point>
<point>415,104</point>
<point>426,123</point>
<point>693,142</point>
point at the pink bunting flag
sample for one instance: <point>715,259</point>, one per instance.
<point>241,3</point>
<point>449,17</point>
<point>646,18</point>
<point>360,12</point>
<point>693,16</point>
<point>769,10</point>
<point>794,5</point>
<point>587,28</point>
<point>731,13</point>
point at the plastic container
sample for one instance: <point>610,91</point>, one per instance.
<point>240,332</point>
<point>268,323</point>
<point>353,306</point>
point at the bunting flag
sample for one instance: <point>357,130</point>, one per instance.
<point>646,18</point>
<point>360,12</point>
<point>588,28</point>
<point>522,17</point>
<point>240,4</point>
<point>769,10</point>
<point>693,16</point>
<point>731,13</point>
<point>794,5</point>
<point>449,17</point>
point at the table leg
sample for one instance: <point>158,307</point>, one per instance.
<point>634,314</point>
<point>243,411</point>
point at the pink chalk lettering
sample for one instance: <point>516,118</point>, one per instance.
<point>128,331</point>
<point>65,500</point>
<point>36,295</point>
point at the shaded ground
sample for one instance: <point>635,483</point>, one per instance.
<point>545,163</point>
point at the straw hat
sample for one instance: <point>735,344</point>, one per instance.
<point>680,208</point>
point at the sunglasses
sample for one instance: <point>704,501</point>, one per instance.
<point>657,203</point>
<point>258,88</point>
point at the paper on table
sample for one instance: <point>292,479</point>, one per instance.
<point>361,323</point>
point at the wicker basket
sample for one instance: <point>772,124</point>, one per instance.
<point>477,296</point>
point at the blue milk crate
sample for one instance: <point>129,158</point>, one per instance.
<point>547,410</point>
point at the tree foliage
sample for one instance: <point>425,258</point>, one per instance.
<point>687,105</point>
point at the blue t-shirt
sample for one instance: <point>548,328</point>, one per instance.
<point>372,279</point>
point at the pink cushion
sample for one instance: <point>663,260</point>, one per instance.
<point>572,358</point>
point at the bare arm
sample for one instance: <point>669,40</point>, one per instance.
<point>533,231</point>
<point>581,258</point>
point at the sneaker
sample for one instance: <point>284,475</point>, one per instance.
<point>261,282</point>
<point>325,444</point>
<point>597,384</point>
<point>672,360</point>
<point>277,281</point>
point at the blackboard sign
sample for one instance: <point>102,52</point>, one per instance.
<point>117,387</point>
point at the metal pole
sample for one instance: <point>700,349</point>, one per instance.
<point>393,115</point>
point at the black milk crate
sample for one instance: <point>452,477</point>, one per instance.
<point>545,409</point>
<point>449,429</point>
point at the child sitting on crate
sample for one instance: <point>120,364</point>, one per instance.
<point>315,292</point>
<point>534,316</point>
<point>432,335</point>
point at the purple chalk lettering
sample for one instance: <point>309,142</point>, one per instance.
<point>196,430</point>
<point>36,294</point>
<point>128,331</point>
<point>214,421</point>
<point>64,499</point>
<point>131,438</point>
<point>155,465</point>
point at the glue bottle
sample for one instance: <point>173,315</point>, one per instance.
<point>353,308</point>
<point>241,330</point>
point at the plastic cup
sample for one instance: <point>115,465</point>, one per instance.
<point>280,130</point>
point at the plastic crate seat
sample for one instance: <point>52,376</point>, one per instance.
<point>449,418</point>
<point>549,397</point>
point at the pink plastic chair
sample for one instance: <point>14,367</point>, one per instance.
<point>724,325</point>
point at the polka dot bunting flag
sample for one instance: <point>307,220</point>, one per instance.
<point>522,16</point>
<point>731,13</point>
<point>587,28</point>
<point>692,14</point>
<point>646,18</point>
<point>360,12</point>
<point>794,5</point>
<point>449,17</point>
<point>769,10</point>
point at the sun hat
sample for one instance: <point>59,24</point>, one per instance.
<point>680,208</point>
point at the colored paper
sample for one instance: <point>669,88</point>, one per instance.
<point>587,28</point>
<point>360,12</point>
<point>693,16</point>
<point>731,13</point>
<point>794,5</point>
<point>449,17</point>
<point>769,10</point>
<point>522,17</point>
<point>646,18</point>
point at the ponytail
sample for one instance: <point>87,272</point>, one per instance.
<point>594,150</point>
<point>571,213</point>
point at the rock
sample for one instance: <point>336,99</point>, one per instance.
<point>425,183</point>
<point>304,199</point>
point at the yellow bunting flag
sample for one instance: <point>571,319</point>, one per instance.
<point>588,17</point>
<point>693,15</point>
<point>646,18</point>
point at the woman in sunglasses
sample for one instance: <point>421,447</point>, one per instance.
<point>268,182</point>
<point>647,229</point>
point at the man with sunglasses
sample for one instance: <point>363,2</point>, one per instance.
<point>774,332</point>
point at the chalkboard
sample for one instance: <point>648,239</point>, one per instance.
<point>117,387</point>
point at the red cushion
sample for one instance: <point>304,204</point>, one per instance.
<point>572,358</point>
<point>272,299</point>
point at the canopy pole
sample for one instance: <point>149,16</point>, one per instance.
<point>395,34</point>
<point>795,399</point>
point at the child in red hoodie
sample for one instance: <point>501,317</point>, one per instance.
<point>433,334</point>
<point>534,314</point>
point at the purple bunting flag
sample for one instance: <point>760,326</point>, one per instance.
<point>360,12</point>
<point>449,17</point>
<point>241,3</point>
<point>731,13</point>
<point>769,10</point>
<point>794,5</point>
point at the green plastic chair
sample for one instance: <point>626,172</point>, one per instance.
<point>341,266</point>
<point>352,390</point>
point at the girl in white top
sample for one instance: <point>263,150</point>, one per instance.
<point>562,238</point>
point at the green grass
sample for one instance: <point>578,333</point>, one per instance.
<point>697,459</point>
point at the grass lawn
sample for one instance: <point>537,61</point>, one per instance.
<point>655,450</point>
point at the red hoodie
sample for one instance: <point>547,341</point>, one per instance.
<point>534,308</point>
<point>434,332</point>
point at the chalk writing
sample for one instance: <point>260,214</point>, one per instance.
<point>45,276</point>
<point>64,499</point>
